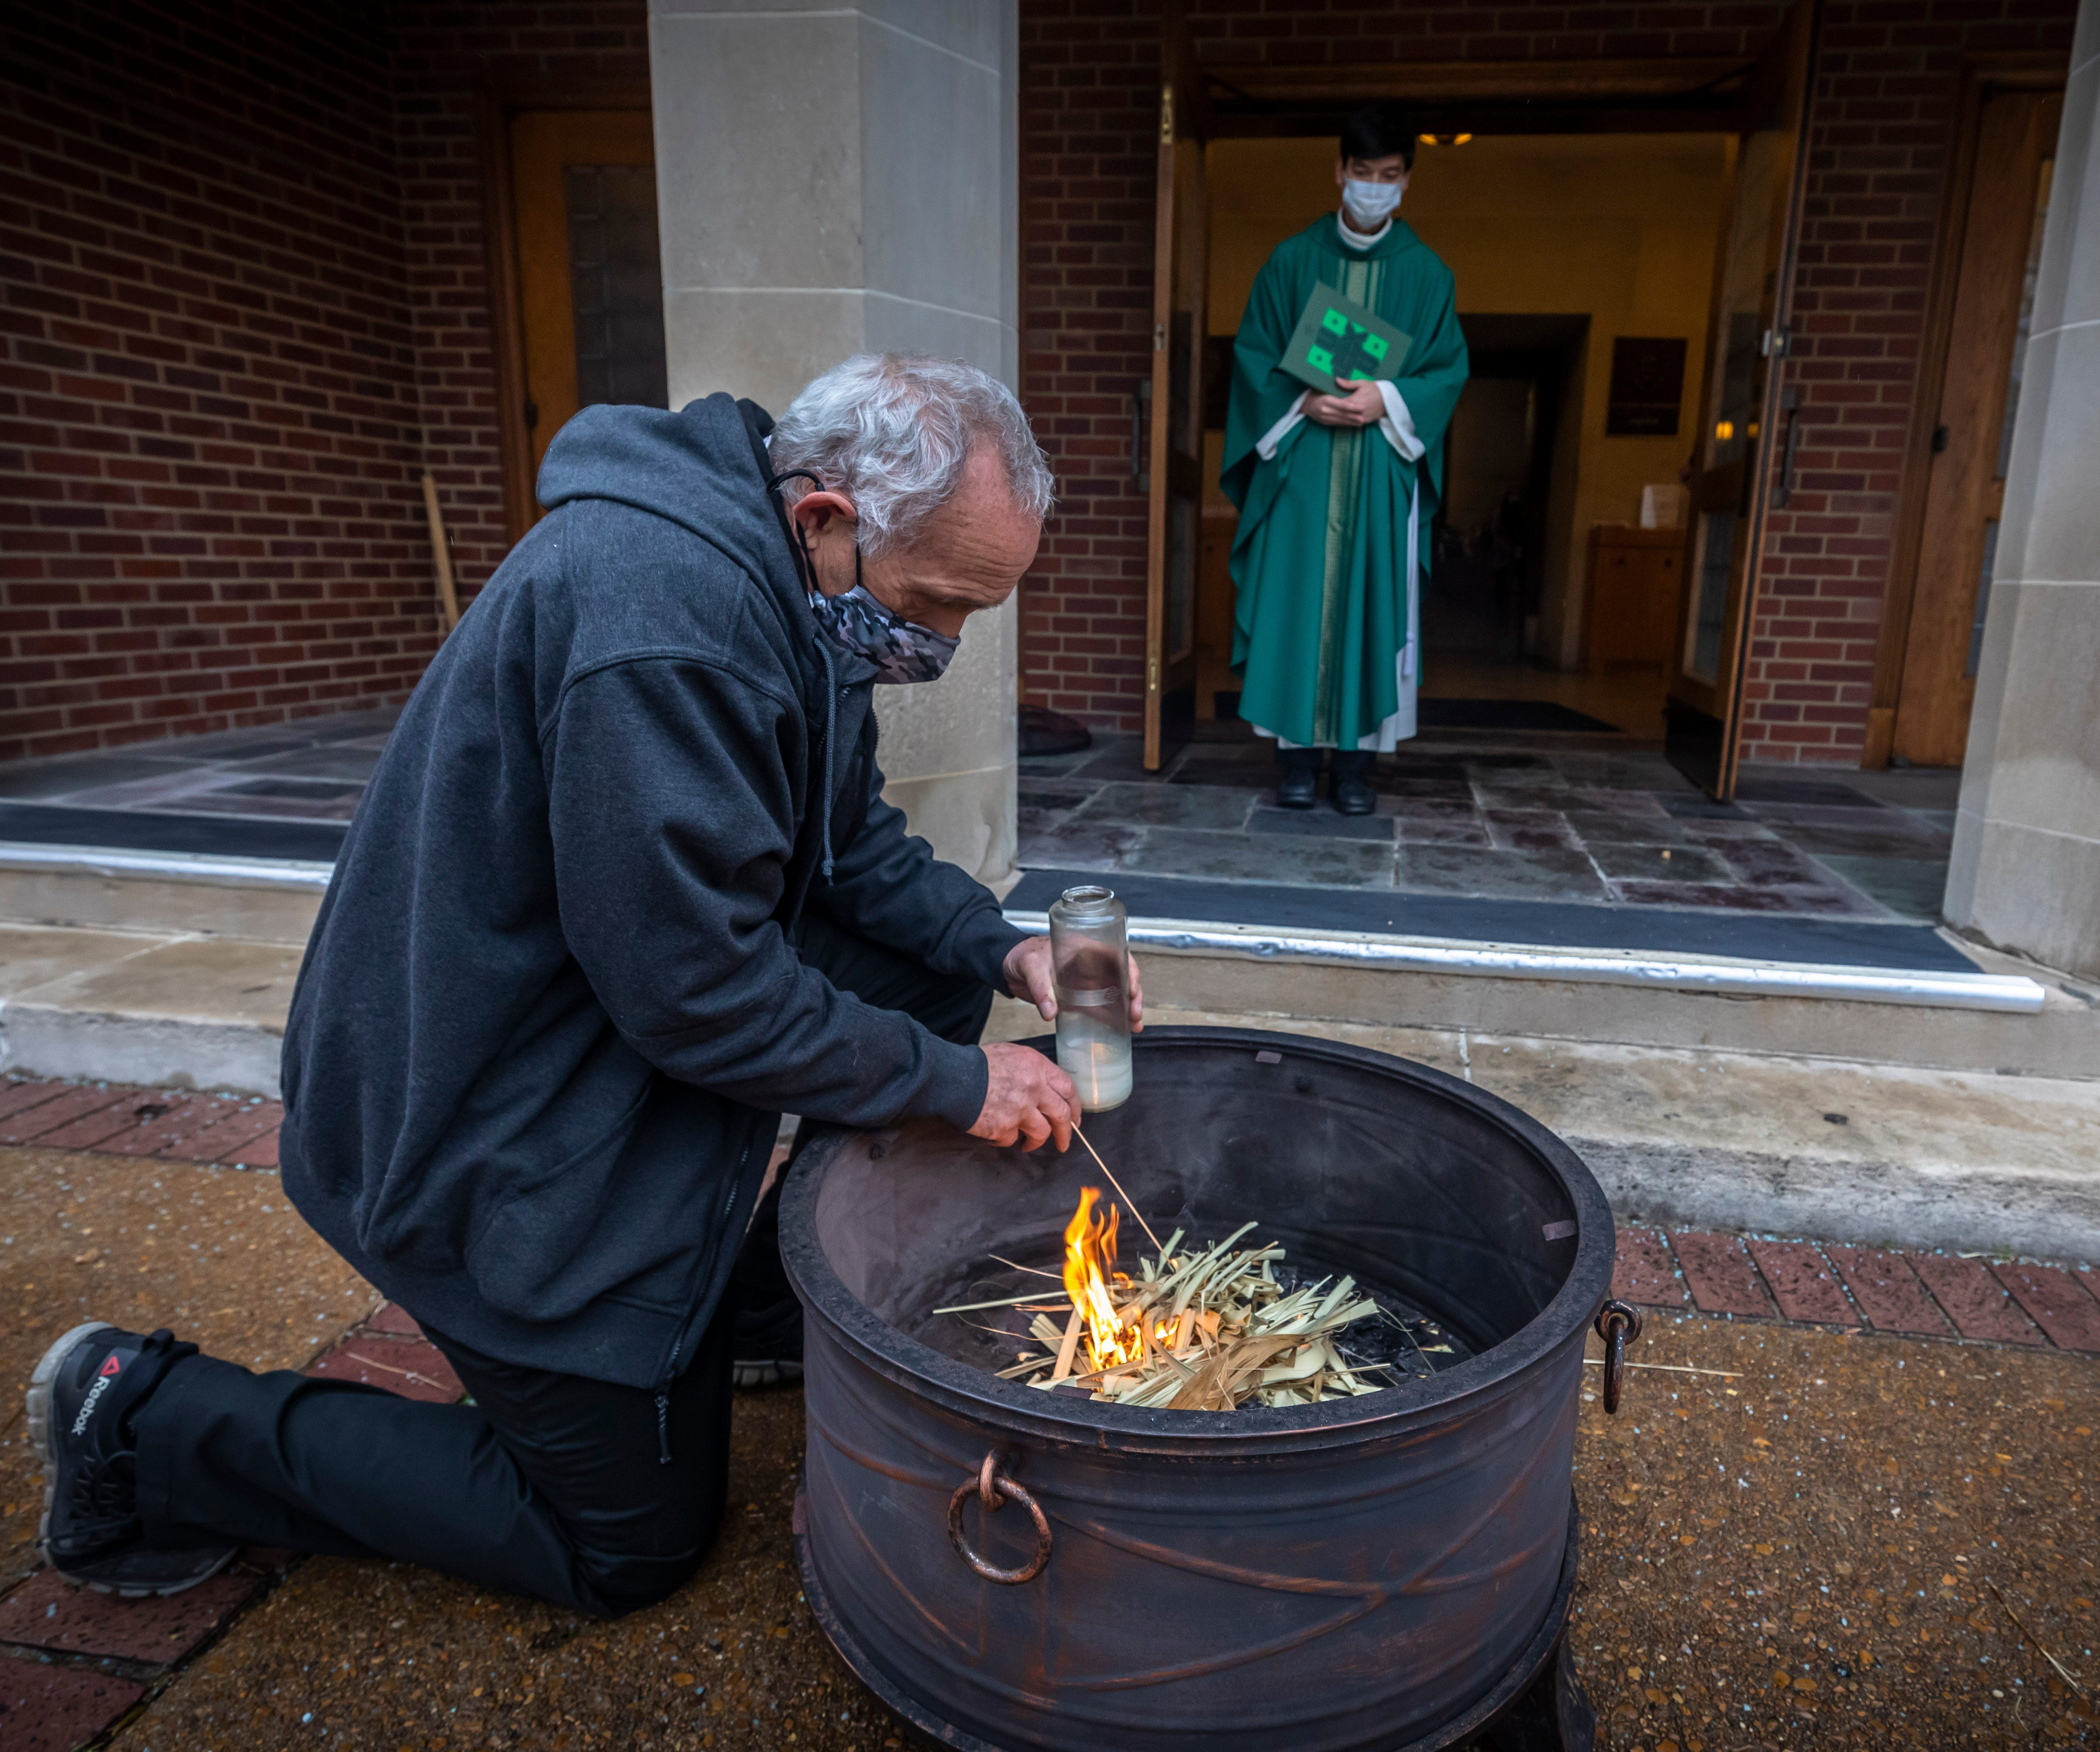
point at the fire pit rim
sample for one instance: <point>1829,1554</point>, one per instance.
<point>1068,1419</point>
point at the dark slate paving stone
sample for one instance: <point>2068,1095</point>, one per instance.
<point>1490,761</point>
<point>1527,830</point>
<point>339,761</point>
<point>1695,805</point>
<point>1035,792</point>
<point>1117,765</point>
<point>1245,857</point>
<point>285,808</point>
<point>1319,823</point>
<point>1205,768</point>
<point>1453,808</point>
<point>33,779</point>
<point>1771,862</point>
<point>1614,800</point>
<point>1736,898</point>
<point>1658,863</point>
<point>1824,792</point>
<point>1177,806</point>
<point>1562,874</point>
<point>1418,830</point>
<point>165,831</point>
<point>1911,888</point>
<point>1075,846</point>
<point>1600,827</point>
<point>1878,841</point>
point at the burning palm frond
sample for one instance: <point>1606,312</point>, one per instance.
<point>1197,1329</point>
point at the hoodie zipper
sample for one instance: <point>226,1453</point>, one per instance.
<point>671,1363</point>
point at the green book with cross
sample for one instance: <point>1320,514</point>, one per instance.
<point>1337,338</point>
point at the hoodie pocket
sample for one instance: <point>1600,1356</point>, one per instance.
<point>627,1215</point>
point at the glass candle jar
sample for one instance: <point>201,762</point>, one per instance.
<point>1091,966</point>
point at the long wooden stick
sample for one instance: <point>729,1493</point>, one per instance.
<point>1118,1184</point>
<point>441,552</point>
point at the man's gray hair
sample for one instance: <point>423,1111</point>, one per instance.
<point>893,433</point>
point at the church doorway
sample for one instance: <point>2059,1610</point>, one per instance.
<point>1584,263</point>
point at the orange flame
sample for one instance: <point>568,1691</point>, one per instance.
<point>1090,1255</point>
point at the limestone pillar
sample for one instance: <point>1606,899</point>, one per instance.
<point>846,180</point>
<point>2026,870</point>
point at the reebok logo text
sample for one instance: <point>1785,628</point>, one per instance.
<point>87,1404</point>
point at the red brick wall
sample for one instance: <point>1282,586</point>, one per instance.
<point>1879,138</point>
<point>242,304</point>
<point>439,51</point>
<point>1089,71</point>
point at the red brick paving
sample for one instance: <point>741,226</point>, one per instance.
<point>1644,1272</point>
<point>1723,1279</point>
<point>412,1367</point>
<point>2059,1304</point>
<point>52,1708</point>
<point>1887,1289</point>
<point>74,1102</point>
<point>46,1612</point>
<point>1975,1300</point>
<point>171,1133</point>
<point>393,1319</point>
<point>1804,1286</point>
<point>225,1140</point>
<point>17,1097</point>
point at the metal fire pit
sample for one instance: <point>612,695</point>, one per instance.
<point>1391,1571</point>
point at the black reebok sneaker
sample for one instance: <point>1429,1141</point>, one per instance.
<point>82,1399</point>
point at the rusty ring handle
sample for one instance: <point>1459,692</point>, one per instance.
<point>993,1487</point>
<point>1618,1325</point>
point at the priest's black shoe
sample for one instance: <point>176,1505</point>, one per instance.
<point>84,1403</point>
<point>1351,792</point>
<point>1301,778</point>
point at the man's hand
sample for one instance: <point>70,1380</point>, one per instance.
<point>1029,978</point>
<point>1364,405</point>
<point>1026,1097</point>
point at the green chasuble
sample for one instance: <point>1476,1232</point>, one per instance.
<point>1335,524</point>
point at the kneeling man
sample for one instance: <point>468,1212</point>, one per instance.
<point>623,891</point>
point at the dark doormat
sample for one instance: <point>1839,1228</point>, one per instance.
<point>1506,714</point>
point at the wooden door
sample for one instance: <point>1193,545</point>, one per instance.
<point>590,286</point>
<point>1181,272</point>
<point>1741,436</point>
<point>1972,439</point>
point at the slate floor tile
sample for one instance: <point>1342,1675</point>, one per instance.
<point>1073,845</point>
<point>1911,888</point>
<point>1603,826</point>
<point>1459,808</point>
<point>1695,805</point>
<point>1244,857</point>
<point>1212,807</point>
<point>1562,875</point>
<point>1756,787</point>
<point>1734,897</point>
<point>1825,839</point>
<point>1527,830</point>
<point>1431,829</point>
<point>1658,863</point>
<point>1320,822</point>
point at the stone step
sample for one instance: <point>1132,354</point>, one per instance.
<point>1868,1154</point>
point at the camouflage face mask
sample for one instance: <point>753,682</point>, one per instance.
<point>902,651</point>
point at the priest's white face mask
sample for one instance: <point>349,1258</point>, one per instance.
<point>1370,205</point>
<point>1371,188</point>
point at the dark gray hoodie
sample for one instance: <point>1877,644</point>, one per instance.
<point>552,1009</point>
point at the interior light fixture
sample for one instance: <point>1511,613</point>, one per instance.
<point>1724,430</point>
<point>1444,139</point>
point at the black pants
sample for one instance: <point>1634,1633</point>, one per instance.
<point>548,1485</point>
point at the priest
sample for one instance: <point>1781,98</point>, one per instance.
<point>1336,492</point>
